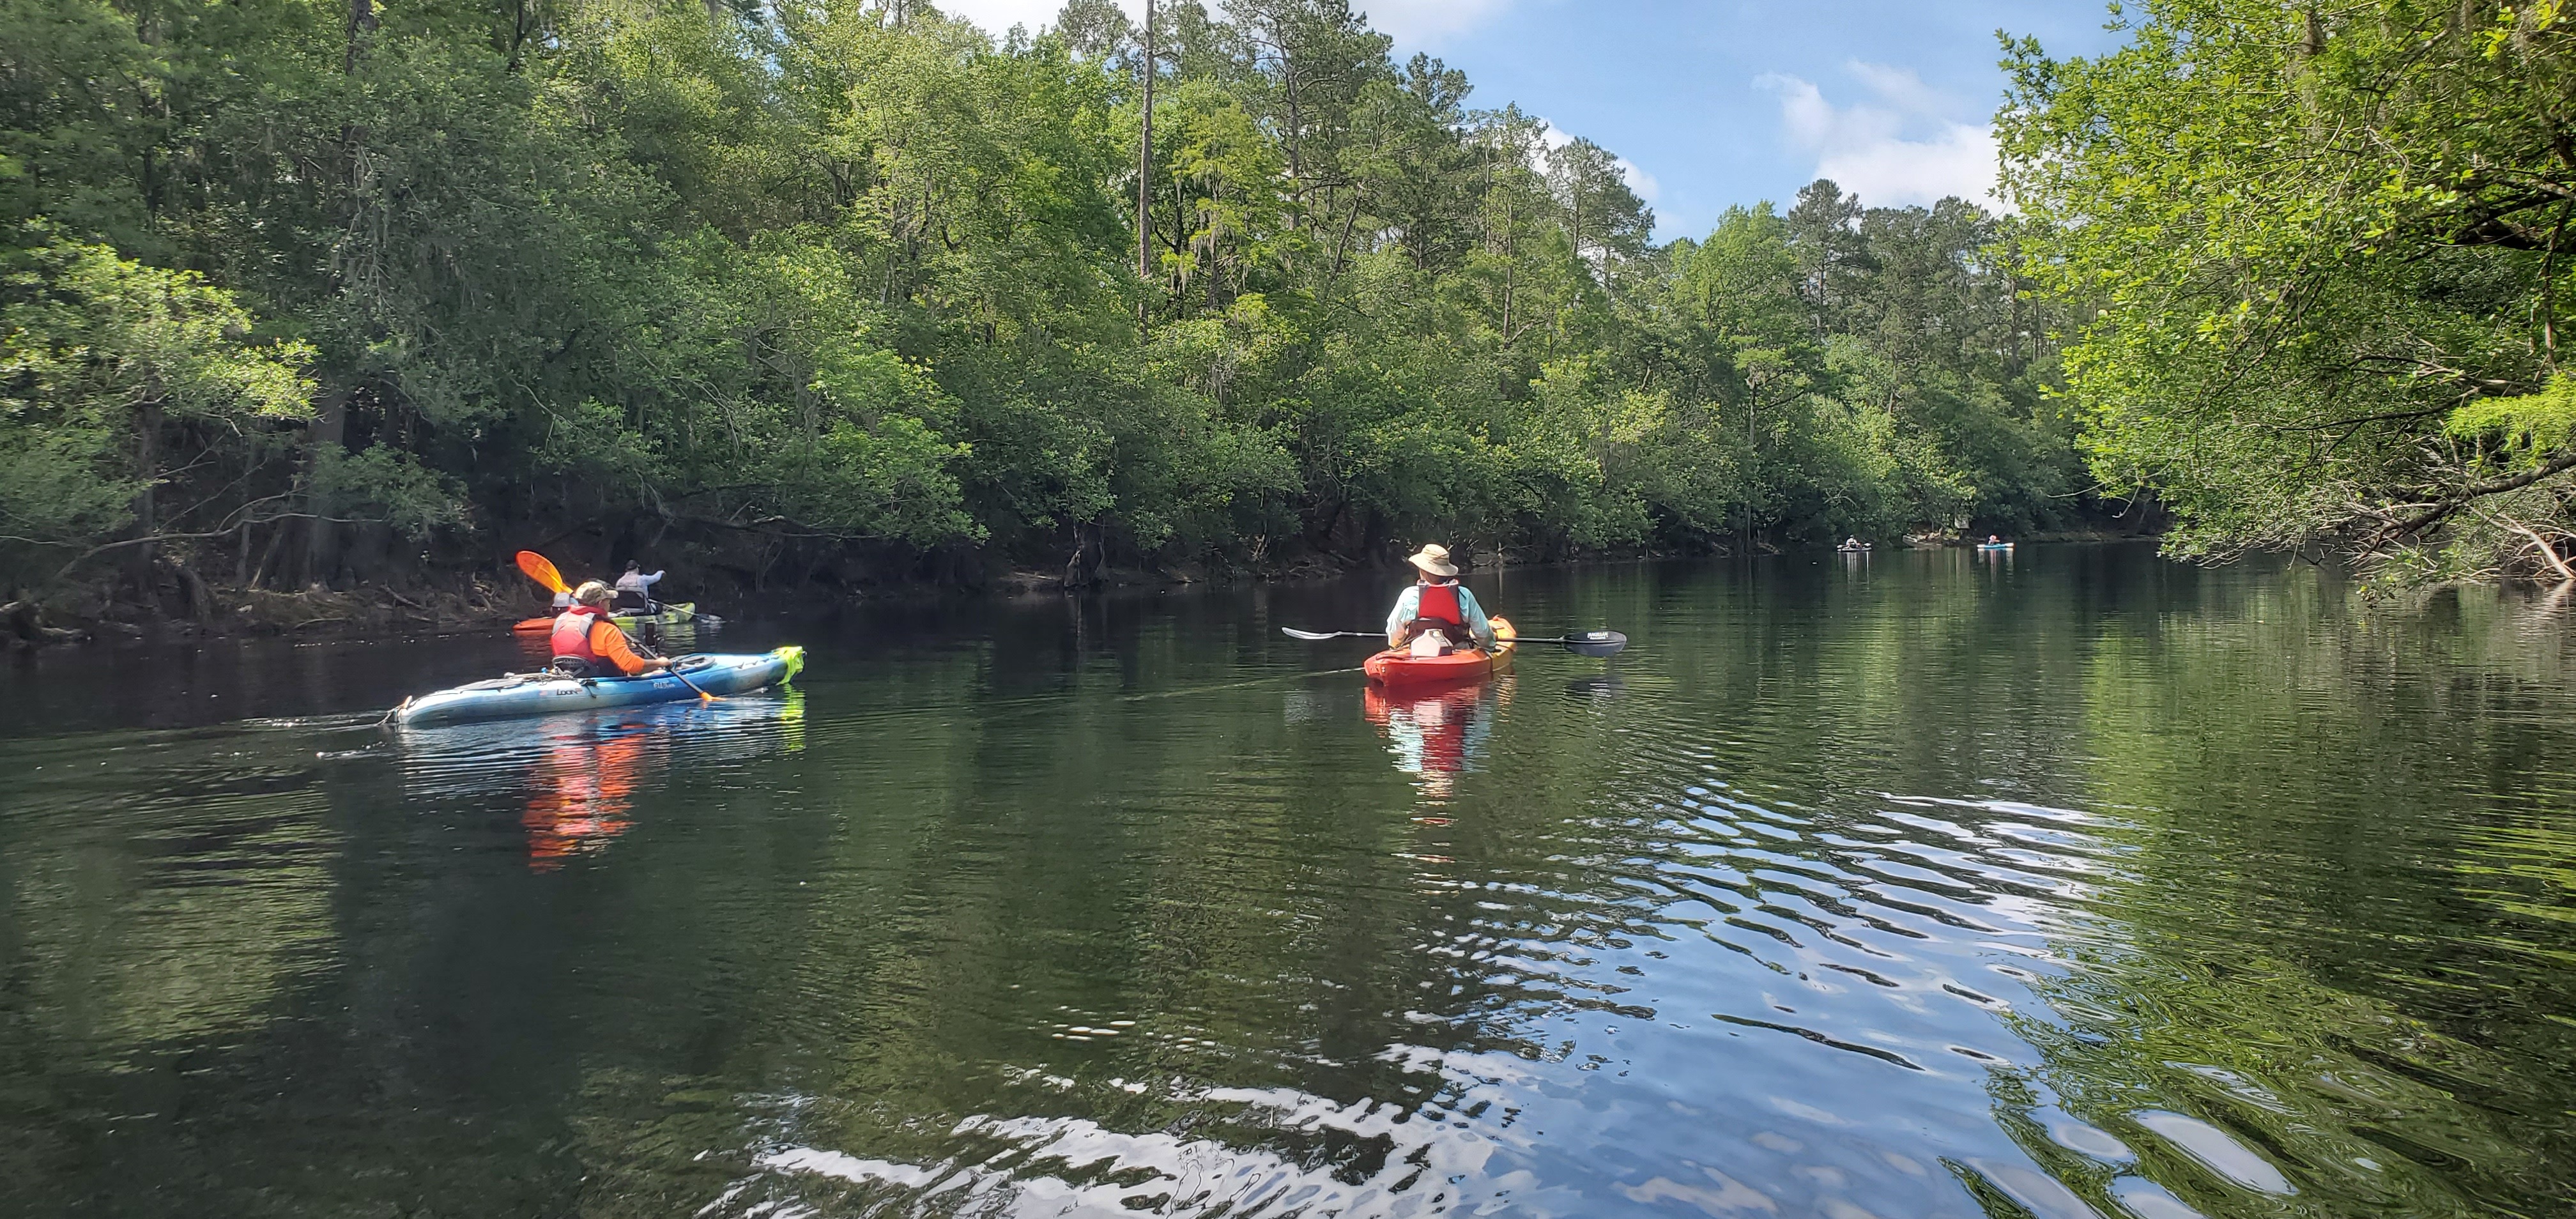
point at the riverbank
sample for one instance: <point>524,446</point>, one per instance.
<point>217,611</point>
<point>189,609</point>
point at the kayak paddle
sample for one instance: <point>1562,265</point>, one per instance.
<point>1589,643</point>
<point>538,569</point>
<point>703,696</point>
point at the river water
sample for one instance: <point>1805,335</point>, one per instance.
<point>1916,884</point>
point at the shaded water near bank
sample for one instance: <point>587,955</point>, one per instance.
<point>1908,884</point>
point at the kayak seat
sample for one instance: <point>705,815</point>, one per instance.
<point>576,666</point>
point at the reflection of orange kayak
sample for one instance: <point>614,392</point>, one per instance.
<point>1437,719</point>
<point>1395,667</point>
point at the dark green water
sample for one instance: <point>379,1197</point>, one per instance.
<point>1908,886</point>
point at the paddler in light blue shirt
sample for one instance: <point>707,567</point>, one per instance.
<point>1437,602</point>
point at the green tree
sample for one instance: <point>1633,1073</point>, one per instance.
<point>2315,234</point>
<point>104,364</point>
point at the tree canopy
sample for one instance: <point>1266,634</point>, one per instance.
<point>2325,243</point>
<point>848,290</point>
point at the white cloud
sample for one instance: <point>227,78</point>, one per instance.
<point>1640,181</point>
<point>1552,138</point>
<point>1896,151</point>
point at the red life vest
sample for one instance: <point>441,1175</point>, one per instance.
<point>572,636</point>
<point>1440,604</point>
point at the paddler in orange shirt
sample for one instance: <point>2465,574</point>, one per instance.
<point>585,633</point>
<point>1438,602</point>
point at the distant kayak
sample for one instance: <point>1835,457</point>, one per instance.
<point>1400,667</point>
<point>524,694</point>
<point>1994,545</point>
<point>674,614</point>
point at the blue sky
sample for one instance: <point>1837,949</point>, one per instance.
<point>1719,102</point>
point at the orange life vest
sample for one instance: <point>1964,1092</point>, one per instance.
<point>1439,604</point>
<point>572,637</point>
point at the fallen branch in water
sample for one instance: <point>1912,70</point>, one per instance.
<point>2548,550</point>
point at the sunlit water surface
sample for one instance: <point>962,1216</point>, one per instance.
<point>1910,885</point>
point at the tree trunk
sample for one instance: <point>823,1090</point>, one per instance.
<point>147,470</point>
<point>321,538</point>
<point>1082,570</point>
<point>1145,180</point>
<point>268,558</point>
<point>197,600</point>
<point>362,21</point>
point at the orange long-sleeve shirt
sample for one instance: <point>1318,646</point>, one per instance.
<point>611,644</point>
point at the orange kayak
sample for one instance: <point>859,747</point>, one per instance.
<point>1395,667</point>
<point>672,615</point>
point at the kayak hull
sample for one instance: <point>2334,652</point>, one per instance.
<point>1396,667</point>
<point>523,695</point>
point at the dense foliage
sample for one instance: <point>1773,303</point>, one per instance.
<point>301,291</point>
<point>2326,239</point>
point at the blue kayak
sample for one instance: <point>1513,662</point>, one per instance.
<point>522,694</point>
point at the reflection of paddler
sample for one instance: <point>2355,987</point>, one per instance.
<point>1432,730</point>
<point>587,786</point>
<point>1436,736</point>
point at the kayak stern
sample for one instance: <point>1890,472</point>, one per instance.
<point>1398,667</point>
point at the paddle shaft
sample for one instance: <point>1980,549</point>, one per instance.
<point>1320,636</point>
<point>684,678</point>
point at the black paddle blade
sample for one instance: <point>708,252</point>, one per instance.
<point>1602,644</point>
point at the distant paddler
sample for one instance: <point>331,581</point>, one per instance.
<point>587,636</point>
<point>1437,614</point>
<point>635,589</point>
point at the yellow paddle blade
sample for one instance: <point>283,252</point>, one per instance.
<point>543,572</point>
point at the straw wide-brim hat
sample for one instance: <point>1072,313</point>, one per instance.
<point>1434,559</point>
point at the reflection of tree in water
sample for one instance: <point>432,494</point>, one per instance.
<point>1437,734</point>
<point>2317,970</point>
